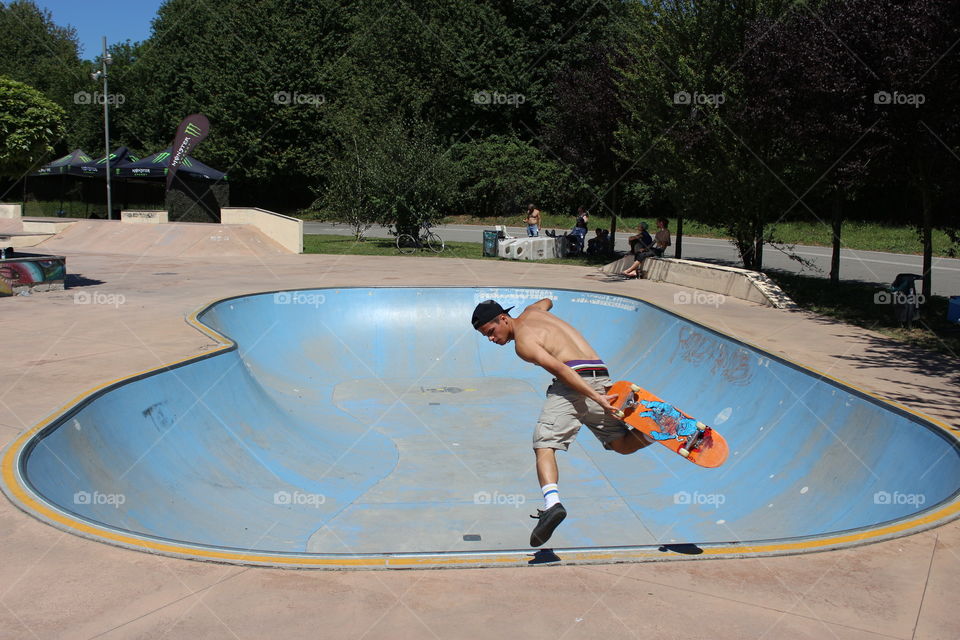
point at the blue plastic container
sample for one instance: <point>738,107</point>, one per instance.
<point>953,311</point>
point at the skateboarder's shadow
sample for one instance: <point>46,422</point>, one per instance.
<point>687,549</point>
<point>543,556</point>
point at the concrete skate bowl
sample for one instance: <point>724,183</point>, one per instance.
<point>374,428</point>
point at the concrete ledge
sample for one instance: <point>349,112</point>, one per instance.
<point>18,239</point>
<point>286,231</point>
<point>729,281</point>
<point>14,211</point>
<point>47,226</point>
<point>24,274</point>
<point>145,217</point>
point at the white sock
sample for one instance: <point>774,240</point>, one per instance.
<point>551,495</point>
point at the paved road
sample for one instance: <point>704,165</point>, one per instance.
<point>866,266</point>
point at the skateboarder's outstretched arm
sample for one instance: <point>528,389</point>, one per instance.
<point>543,304</point>
<point>533,352</point>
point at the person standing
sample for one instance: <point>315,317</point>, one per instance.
<point>578,234</point>
<point>533,221</point>
<point>576,395</point>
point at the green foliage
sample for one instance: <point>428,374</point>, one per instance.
<point>682,88</point>
<point>395,174</point>
<point>39,53</point>
<point>29,126</point>
<point>502,174</point>
<point>345,245</point>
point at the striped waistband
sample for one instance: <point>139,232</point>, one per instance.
<point>588,368</point>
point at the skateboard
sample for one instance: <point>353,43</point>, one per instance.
<point>669,426</point>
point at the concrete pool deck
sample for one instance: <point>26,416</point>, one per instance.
<point>126,314</point>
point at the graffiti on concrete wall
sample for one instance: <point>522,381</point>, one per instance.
<point>702,349</point>
<point>18,274</point>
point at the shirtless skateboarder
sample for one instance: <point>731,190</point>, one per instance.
<point>576,395</point>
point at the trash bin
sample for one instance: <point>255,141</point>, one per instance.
<point>490,240</point>
<point>906,302</point>
<point>953,311</point>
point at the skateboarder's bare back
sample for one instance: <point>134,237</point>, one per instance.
<point>577,394</point>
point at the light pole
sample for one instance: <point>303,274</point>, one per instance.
<point>106,59</point>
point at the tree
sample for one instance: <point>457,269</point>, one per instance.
<point>39,53</point>
<point>581,124</point>
<point>804,88</point>
<point>502,174</point>
<point>29,126</point>
<point>861,93</point>
<point>394,173</point>
<point>261,72</point>
<point>680,85</point>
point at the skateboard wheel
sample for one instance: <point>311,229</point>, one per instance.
<point>684,452</point>
<point>619,414</point>
<point>701,426</point>
<point>634,388</point>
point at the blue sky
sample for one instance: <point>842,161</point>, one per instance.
<point>119,20</point>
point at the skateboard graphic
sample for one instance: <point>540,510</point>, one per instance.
<point>669,426</point>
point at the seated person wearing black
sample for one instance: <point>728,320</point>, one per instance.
<point>599,244</point>
<point>647,247</point>
<point>641,241</point>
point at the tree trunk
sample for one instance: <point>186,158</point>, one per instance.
<point>678,245</point>
<point>758,252</point>
<point>927,241</point>
<point>756,257</point>
<point>837,224</point>
<point>613,216</point>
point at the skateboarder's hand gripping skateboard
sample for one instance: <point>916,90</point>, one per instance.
<point>666,424</point>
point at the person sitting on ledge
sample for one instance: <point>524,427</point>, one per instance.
<point>660,243</point>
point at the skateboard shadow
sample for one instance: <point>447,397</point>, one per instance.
<point>686,549</point>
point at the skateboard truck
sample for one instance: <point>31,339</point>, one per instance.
<point>627,403</point>
<point>693,440</point>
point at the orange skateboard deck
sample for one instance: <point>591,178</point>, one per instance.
<point>669,426</point>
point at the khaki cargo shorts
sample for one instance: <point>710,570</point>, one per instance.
<point>564,412</point>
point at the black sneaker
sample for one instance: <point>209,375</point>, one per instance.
<point>549,520</point>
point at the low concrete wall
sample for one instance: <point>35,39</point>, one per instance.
<point>145,217</point>
<point>21,239</point>
<point>729,281</point>
<point>286,231</point>
<point>24,274</point>
<point>11,210</point>
<point>47,225</point>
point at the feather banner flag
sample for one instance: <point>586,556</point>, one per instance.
<point>190,133</point>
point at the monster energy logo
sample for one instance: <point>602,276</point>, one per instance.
<point>192,129</point>
<point>163,155</point>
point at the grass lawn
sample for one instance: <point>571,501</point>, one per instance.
<point>344,245</point>
<point>848,302</point>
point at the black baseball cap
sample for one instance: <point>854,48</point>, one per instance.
<point>487,311</point>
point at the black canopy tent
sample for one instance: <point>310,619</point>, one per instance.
<point>140,183</point>
<point>98,168</point>
<point>69,164</point>
<point>79,163</point>
<point>155,166</point>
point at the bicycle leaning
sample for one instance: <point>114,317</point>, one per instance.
<point>408,243</point>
